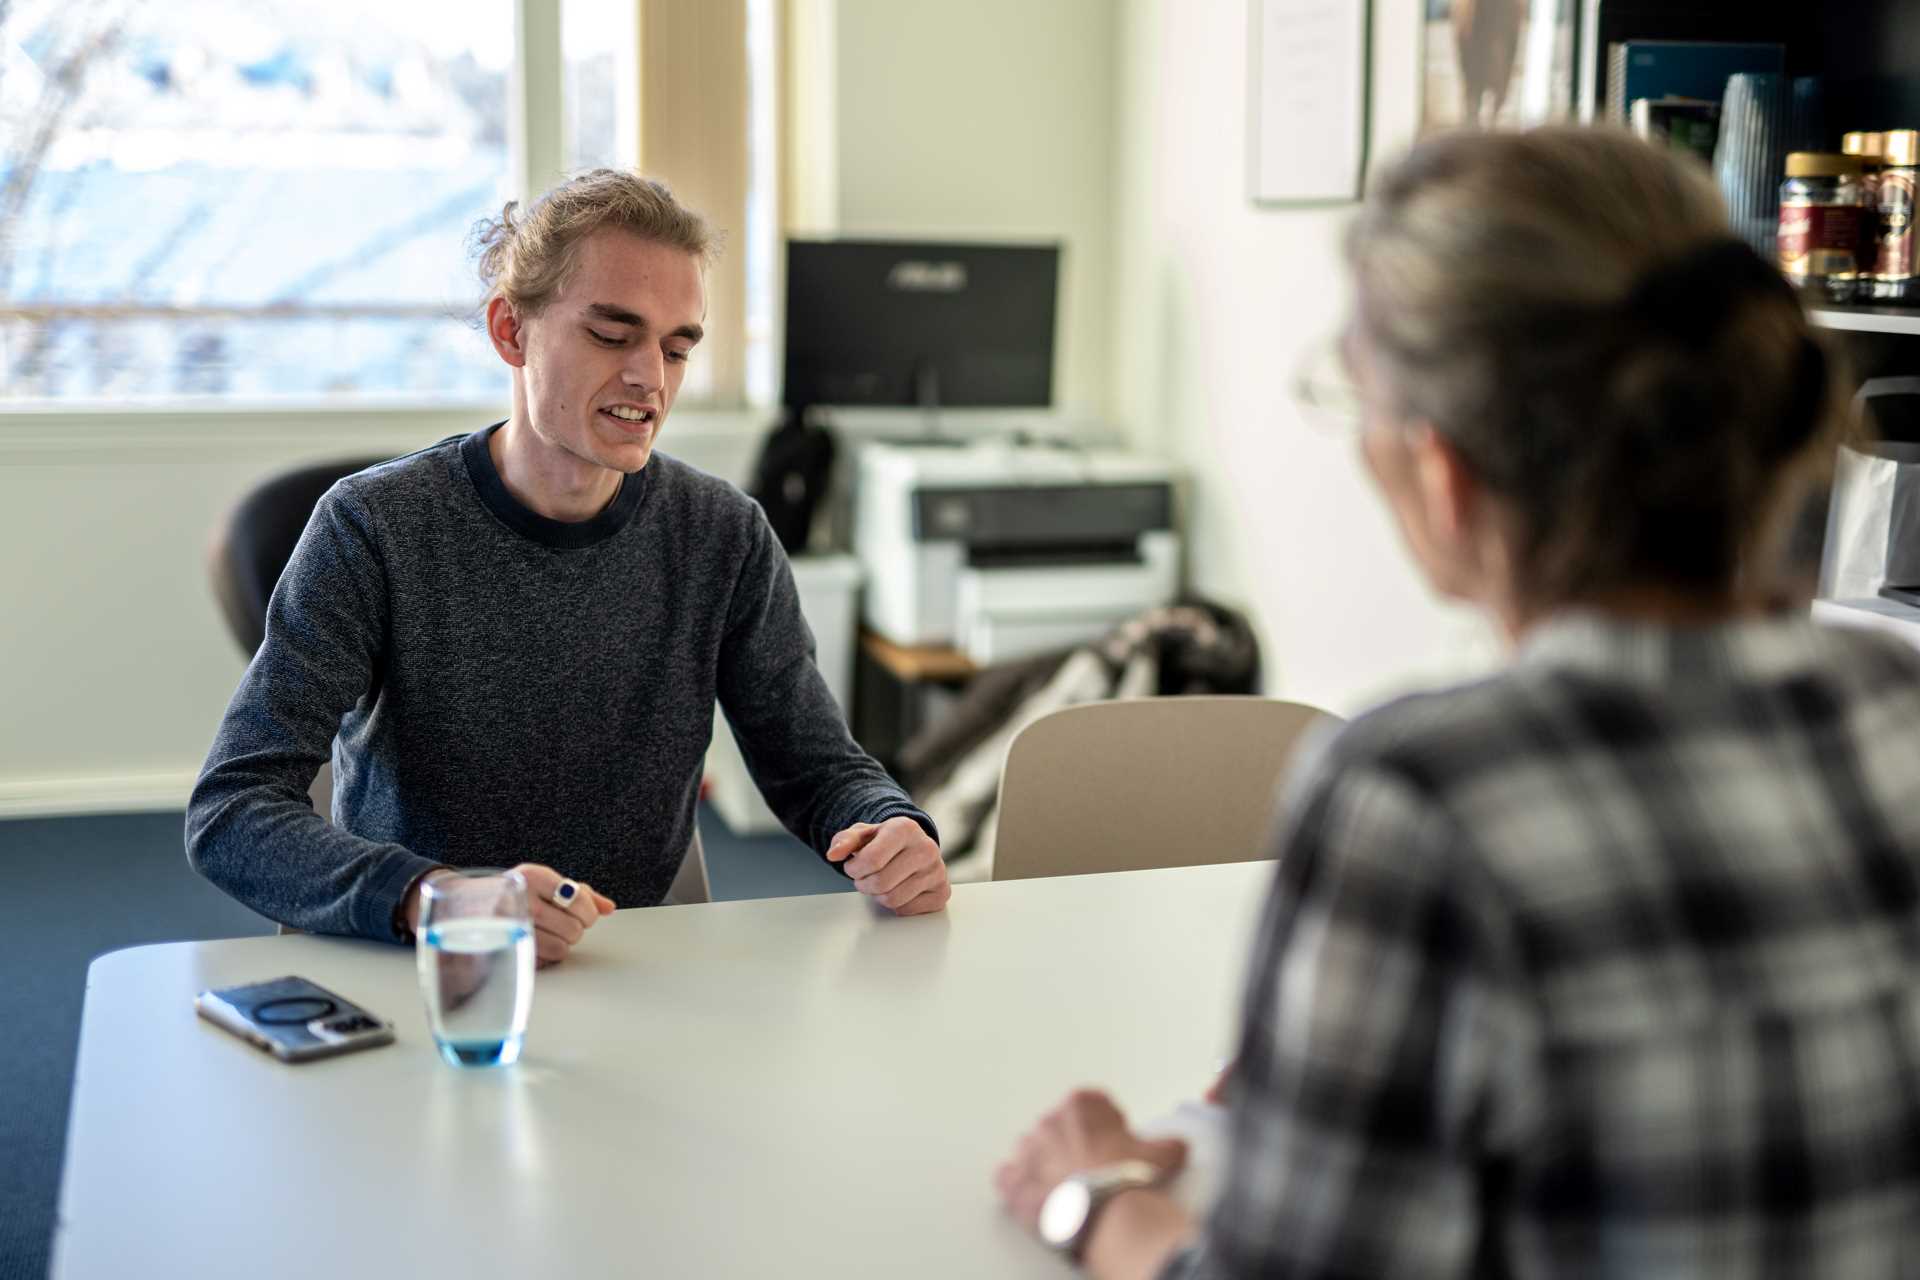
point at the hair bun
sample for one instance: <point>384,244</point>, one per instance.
<point>1691,297</point>
<point>1800,418</point>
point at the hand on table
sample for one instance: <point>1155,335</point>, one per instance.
<point>557,930</point>
<point>1082,1133</point>
<point>895,863</point>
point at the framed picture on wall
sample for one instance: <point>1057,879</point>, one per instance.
<point>1491,64</point>
<point>1307,87</point>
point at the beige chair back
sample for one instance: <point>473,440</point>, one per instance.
<point>691,885</point>
<point>1145,782</point>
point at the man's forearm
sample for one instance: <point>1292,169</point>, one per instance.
<point>406,916</point>
<point>1135,1234</point>
<point>262,843</point>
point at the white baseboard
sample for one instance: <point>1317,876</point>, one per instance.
<point>47,797</point>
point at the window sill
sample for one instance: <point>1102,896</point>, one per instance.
<point>204,407</point>
<point>182,430</point>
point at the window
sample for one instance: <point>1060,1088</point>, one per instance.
<point>271,198</point>
<point>598,41</point>
<point>760,242</point>
<point>247,197</point>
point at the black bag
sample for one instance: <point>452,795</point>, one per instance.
<point>791,476</point>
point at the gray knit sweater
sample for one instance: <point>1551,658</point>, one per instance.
<point>507,688</point>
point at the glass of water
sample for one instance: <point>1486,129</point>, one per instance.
<point>476,964</point>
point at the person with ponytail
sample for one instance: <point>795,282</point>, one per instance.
<point>1609,964</point>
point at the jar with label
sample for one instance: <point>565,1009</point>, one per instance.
<point>1820,207</point>
<point>1893,264</point>
<point>1868,147</point>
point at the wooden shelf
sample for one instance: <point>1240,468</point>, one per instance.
<point>1902,320</point>
<point>937,663</point>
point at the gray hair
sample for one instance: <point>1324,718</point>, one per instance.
<point>1492,272</point>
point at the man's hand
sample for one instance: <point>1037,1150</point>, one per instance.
<point>556,929</point>
<point>1084,1132</point>
<point>895,863</point>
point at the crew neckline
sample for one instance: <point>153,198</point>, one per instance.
<point>559,535</point>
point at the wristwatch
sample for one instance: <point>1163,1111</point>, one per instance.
<point>1068,1213</point>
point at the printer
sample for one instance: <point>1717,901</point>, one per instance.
<point>1005,549</point>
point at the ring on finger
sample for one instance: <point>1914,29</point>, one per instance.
<point>564,893</point>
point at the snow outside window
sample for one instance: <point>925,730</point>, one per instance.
<point>248,198</point>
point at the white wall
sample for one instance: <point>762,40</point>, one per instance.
<point>1215,300</point>
<point>988,118</point>
<point>114,663</point>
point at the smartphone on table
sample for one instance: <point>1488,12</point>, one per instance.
<point>293,1019</point>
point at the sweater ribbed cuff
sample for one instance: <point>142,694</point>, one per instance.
<point>378,903</point>
<point>891,809</point>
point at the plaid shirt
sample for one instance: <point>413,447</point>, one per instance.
<point>1609,965</point>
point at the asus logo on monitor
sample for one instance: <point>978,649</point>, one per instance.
<point>928,277</point>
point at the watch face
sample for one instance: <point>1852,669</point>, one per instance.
<point>1065,1212</point>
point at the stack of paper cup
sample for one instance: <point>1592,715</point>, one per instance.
<point>1751,157</point>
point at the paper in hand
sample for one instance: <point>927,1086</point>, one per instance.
<point>1203,1126</point>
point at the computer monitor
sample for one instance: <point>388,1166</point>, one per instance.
<point>873,322</point>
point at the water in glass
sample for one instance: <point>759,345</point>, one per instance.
<point>476,967</point>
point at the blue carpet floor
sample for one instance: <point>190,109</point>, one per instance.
<point>78,887</point>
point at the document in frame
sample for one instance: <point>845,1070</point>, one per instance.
<point>1308,87</point>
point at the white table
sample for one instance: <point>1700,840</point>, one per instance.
<point>792,1087</point>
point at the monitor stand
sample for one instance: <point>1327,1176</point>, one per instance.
<point>926,394</point>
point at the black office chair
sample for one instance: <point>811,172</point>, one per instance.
<point>251,548</point>
<point>249,552</point>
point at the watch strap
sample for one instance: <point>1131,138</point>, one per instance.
<point>1103,1184</point>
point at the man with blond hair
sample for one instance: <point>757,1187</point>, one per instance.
<point>513,640</point>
